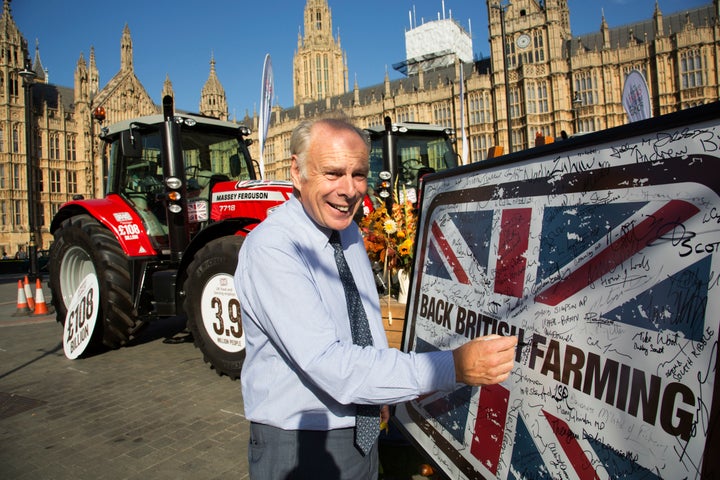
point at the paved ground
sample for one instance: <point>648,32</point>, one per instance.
<point>152,410</point>
<point>149,411</point>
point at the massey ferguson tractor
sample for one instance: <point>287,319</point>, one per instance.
<point>181,195</point>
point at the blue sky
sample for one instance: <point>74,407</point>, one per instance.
<point>179,37</point>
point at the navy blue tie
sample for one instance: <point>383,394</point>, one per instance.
<point>367,419</point>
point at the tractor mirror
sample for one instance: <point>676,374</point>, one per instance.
<point>235,165</point>
<point>451,159</point>
<point>131,144</point>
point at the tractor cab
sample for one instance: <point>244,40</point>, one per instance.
<point>402,153</point>
<point>211,152</point>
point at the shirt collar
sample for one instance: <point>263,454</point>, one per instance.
<point>317,233</point>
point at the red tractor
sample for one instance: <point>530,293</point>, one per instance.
<point>182,193</point>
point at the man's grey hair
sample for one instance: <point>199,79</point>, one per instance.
<point>300,138</point>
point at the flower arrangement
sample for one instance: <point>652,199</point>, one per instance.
<point>390,236</point>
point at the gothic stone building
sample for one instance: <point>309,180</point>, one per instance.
<point>538,74</point>
<point>66,152</point>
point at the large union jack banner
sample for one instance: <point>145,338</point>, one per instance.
<point>603,259</point>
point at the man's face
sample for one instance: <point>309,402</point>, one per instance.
<point>337,169</point>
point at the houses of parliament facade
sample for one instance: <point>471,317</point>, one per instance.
<point>538,74</point>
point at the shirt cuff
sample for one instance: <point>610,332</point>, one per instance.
<point>436,371</point>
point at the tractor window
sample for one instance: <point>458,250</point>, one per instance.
<point>143,174</point>
<point>142,184</point>
<point>211,158</point>
<point>423,154</point>
<point>376,160</point>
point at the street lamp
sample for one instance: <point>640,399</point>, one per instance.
<point>503,8</point>
<point>98,115</point>
<point>28,75</point>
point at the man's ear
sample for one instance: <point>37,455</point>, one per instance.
<point>295,172</point>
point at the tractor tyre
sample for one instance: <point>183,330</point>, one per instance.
<point>83,246</point>
<point>213,308</point>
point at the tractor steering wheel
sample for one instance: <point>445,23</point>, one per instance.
<point>409,170</point>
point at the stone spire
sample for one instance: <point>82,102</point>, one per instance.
<point>126,50</point>
<point>356,93</point>
<point>12,42</point>
<point>213,102</point>
<point>658,18</point>
<point>82,90</point>
<point>93,75</point>
<point>167,88</point>
<point>605,30</point>
<point>37,65</point>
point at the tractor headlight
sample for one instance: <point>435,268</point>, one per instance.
<point>173,182</point>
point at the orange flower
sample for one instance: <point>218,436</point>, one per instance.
<point>390,236</point>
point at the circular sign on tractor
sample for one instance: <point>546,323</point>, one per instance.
<point>221,313</point>
<point>81,317</point>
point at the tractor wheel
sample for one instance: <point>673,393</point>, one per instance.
<point>212,306</point>
<point>84,247</point>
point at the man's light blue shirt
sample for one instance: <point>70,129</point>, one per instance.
<point>301,369</point>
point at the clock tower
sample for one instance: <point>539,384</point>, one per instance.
<point>526,49</point>
<point>319,65</point>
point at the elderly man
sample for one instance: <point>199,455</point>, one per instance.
<point>318,371</point>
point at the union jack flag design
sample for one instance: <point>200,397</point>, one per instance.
<point>607,277</point>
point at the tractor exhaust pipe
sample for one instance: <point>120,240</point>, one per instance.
<point>175,183</point>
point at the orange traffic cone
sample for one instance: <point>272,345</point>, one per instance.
<point>41,307</point>
<point>28,294</point>
<point>22,305</point>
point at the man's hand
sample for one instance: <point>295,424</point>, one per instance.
<point>485,360</point>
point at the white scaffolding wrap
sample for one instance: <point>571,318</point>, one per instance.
<point>438,36</point>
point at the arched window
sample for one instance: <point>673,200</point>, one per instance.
<point>54,146</point>
<point>586,88</point>
<point>479,108</point>
<point>16,139</point>
<point>691,69</point>
<point>542,96</point>
<point>539,47</point>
